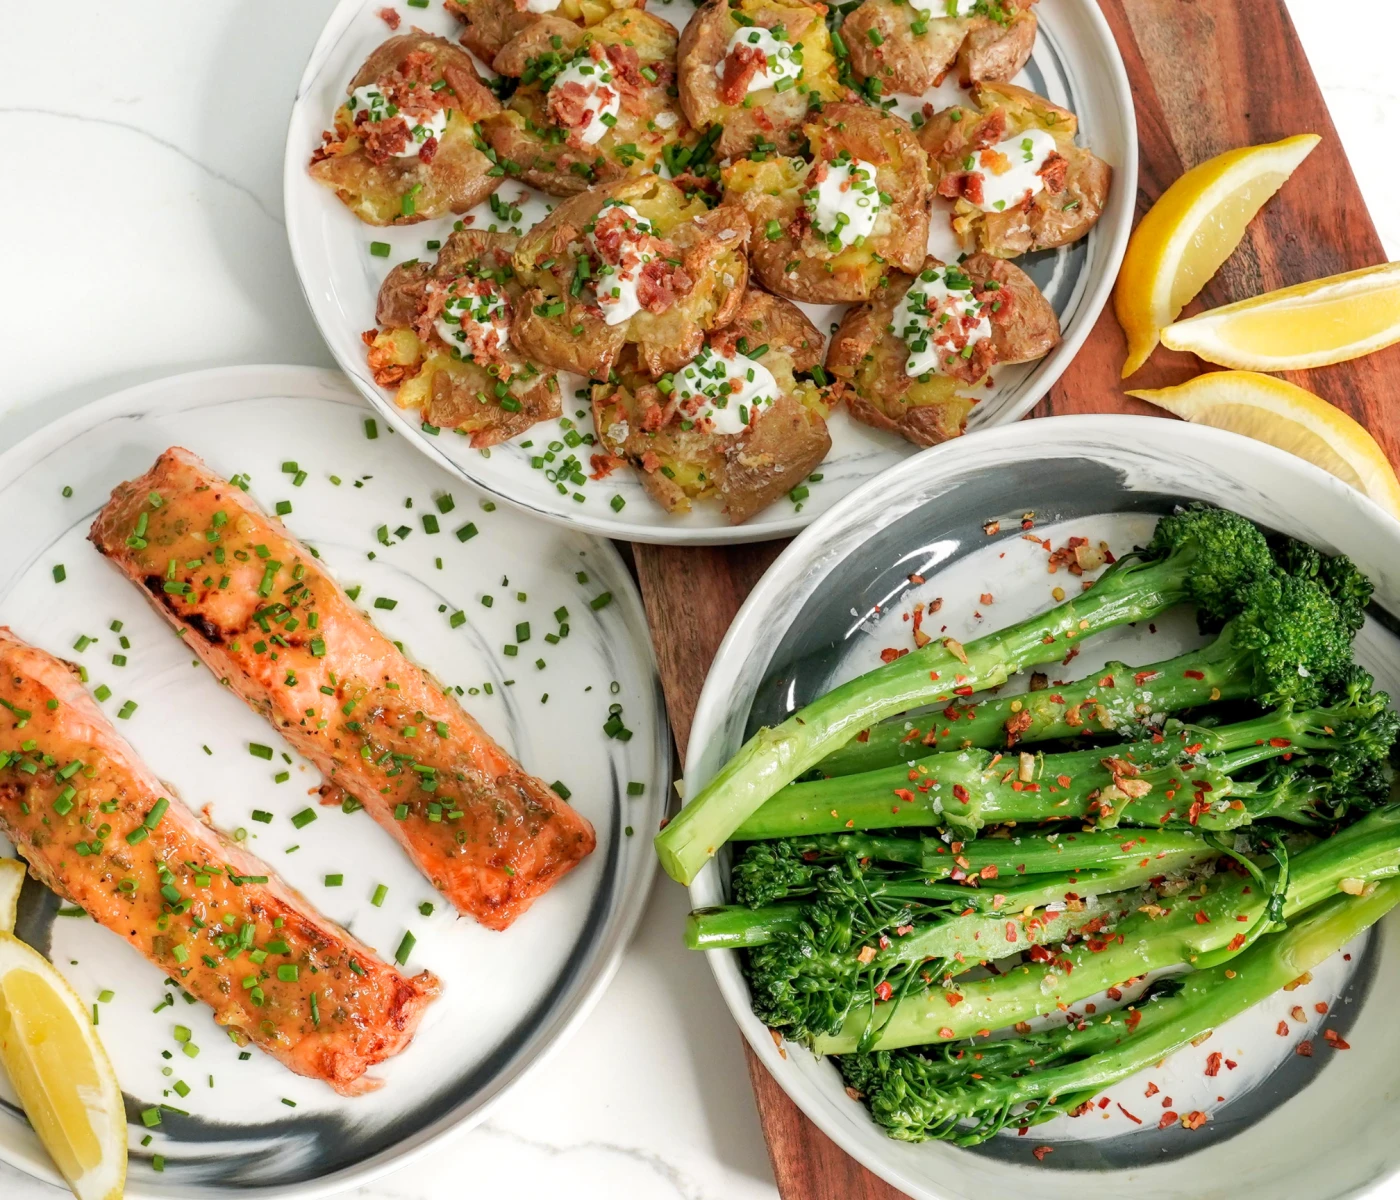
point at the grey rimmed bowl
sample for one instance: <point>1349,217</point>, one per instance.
<point>1317,1127</point>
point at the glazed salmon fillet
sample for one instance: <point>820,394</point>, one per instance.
<point>272,624</point>
<point>100,829</point>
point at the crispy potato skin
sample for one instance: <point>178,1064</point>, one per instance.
<point>747,471</point>
<point>798,264</point>
<point>456,179</point>
<point>487,25</point>
<point>770,116</point>
<point>448,389</point>
<point>981,48</point>
<point>649,120</point>
<point>870,360</point>
<point>1051,219</point>
<point>710,243</point>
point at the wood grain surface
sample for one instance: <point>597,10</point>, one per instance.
<point>1207,76</point>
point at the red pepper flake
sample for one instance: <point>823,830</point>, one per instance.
<point>1041,1151</point>
<point>985,598</point>
<point>1282,1029</point>
<point>1011,931</point>
<point>1152,1090</point>
<point>1303,1049</point>
<point>953,998</point>
<point>1320,1007</point>
<point>1114,994</point>
<point>1132,1019</point>
<point>1237,942</point>
<point>889,654</point>
<point>991,528</point>
<point>916,579</point>
<point>989,871</point>
<point>1279,743</point>
<point>1194,675</point>
<point>960,794</point>
<point>946,1033</point>
<point>390,17</point>
<point>1126,1113</point>
<point>1213,1062</point>
<point>1201,918</point>
<point>1194,1120</point>
<point>1335,1040</point>
<point>1168,1118</point>
<point>1143,676</point>
<point>905,795</point>
<point>883,991</point>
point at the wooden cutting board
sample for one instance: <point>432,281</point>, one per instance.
<point>1207,76</point>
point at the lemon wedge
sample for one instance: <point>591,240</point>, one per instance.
<point>60,1071</point>
<point>11,880</point>
<point>1309,325</point>
<point>1193,228</point>
<point>1282,415</point>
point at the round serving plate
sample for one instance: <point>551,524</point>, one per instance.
<point>1075,63</point>
<point>507,997</point>
<point>842,592</point>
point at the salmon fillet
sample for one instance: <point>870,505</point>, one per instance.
<point>101,830</point>
<point>268,620</point>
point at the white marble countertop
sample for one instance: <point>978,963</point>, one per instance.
<point>153,136</point>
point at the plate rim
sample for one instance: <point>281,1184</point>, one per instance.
<point>1063,432</point>
<point>1054,365</point>
<point>325,382</point>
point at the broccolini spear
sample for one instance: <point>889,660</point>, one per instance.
<point>1210,924</point>
<point>1292,643</point>
<point>868,935</point>
<point>1204,556</point>
<point>916,1096</point>
<point>1329,760</point>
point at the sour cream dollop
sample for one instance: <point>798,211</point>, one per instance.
<point>777,51</point>
<point>1010,169</point>
<point>846,201</point>
<point>936,320</point>
<point>952,8</point>
<point>475,318</point>
<point>593,111</point>
<point>621,238</point>
<point>541,6</point>
<point>371,98</point>
<point>726,391</point>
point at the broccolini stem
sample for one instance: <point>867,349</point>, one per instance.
<point>1129,591</point>
<point>1196,931</point>
<point>914,1100</point>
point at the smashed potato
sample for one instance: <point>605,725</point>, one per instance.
<point>903,357</point>
<point>444,342</point>
<point>593,104</point>
<point>487,25</point>
<point>911,45</point>
<point>755,67</point>
<point>1009,162</point>
<point>831,228</point>
<point>406,145</point>
<point>632,262</point>
<point>736,424</point>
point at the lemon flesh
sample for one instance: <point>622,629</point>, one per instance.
<point>61,1074</point>
<point>1278,413</point>
<point>1193,228</point>
<point>1309,325</point>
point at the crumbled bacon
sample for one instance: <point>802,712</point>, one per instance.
<point>965,185</point>
<point>990,130</point>
<point>1053,171</point>
<point>383,140</point>
<point>659,285</point>
<point>428,150</point>
<point>743,63</point>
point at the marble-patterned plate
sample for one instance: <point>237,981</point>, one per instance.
<point>1076,63</point>
<point>246,1125</point>
<point>842,592</point>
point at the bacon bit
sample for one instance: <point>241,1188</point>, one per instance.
<point>1126,1113</point>
<point>1303,1049</point>
<point>1168,1118</point>
<point>1041,1151</point>
<point>389,17</point>
<point>889,654</point>
<point>1152,1090</point>
<point>1213,1062</point>
<point>883,991</point>
<point>743,63</point>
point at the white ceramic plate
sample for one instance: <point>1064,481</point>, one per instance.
<point>840,593</point>
<point>1076,63</point>
<point>507,997</point>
